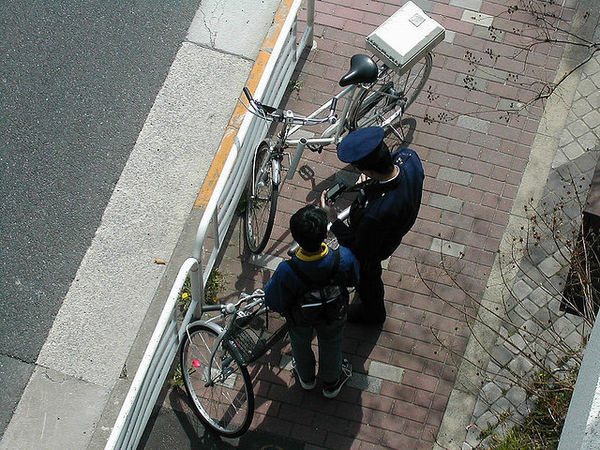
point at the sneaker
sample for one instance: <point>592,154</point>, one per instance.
<point>308,385</point>
<point>332,390</point>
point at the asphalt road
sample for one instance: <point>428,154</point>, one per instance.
<point>77,80</point>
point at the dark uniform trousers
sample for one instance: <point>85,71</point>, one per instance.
<point>380,216</point>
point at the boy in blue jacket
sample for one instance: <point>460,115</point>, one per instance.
<point>314,265</point>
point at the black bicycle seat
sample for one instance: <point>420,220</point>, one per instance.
<point>362,70</point>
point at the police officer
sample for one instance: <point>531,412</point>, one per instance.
<point>382,213</point>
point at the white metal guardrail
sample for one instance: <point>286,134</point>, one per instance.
<point>162,348</point>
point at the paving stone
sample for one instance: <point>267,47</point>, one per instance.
<point>550,266</point>
<point>473,5</point>
<point>581,107</point>
<point>543,316</point>
<point>520,366</point>
<point>516,343</point>
<point>559,159</point>
<point>592,66</point>
<point>455,176</point>
<point>521,289</point>
<point>516,395</point>
<point>449,36</point>
<point>502,355</point>
<point>266,261</point>
<point>592,119</point>
<point>480,407</point>
<point>578,128</point>
<point>574,341</point>
<point>490,392</point>
<point>502,405</point>
<point>484,33</point>
<point>531,326</point>
<point>447,203</point>
<point>536,255</point>
<point>510,105</point>
<point>486,419</point>
<point>526,407</point>
<point>484,20</point>
<point>573,150</point>
<point>530,307</point>
<point>586,87</point>
<point>386,371</point>
<point>589,141</point>
<point>473,123</point>
<point>563,326</point>
<point>447,248</point>
<point>365,383</point>
<point>491,74</point>
<point>594,99</point>
<point>472,440</point>
<point>477,83</point>
<point>566,137</point>
<point>515,318</point>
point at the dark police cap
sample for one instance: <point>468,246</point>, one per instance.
<point>359,144</point>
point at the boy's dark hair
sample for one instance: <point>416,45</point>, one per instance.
<point>308,226</point>
<point>379,160</point>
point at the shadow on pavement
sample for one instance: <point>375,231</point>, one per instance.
<point>176,427</point>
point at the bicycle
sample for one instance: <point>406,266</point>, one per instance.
<point>214,356</point>
<point>378,92</point>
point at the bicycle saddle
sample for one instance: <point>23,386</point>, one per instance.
<point>362,70</point>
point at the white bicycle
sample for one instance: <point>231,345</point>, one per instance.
<point>378,96</point>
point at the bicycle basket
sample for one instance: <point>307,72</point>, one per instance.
<point>251,336</point>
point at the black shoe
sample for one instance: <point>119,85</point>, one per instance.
<point>331,390</point>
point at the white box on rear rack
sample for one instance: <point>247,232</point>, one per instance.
<point>405,37</point>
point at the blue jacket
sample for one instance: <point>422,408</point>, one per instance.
<point>382,214</point>
<point>285,288</point>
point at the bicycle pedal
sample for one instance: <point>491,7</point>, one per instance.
<point>306,173</point>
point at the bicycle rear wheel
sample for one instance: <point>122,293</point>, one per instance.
<point>385,102</point>
<point>226,404</point>
<point>261,202</point>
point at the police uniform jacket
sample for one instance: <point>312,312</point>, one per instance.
<point>383,212</point>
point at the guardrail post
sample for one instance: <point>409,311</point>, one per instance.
<point>310,22</point>
<point>197,288</point>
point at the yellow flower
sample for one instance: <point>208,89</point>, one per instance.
<point>185,295</point>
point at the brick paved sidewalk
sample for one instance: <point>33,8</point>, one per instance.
<point>473,160</point>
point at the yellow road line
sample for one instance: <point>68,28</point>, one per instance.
<point>238,114</point>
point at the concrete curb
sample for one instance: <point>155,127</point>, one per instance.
<point>187,237</point>
<point>240,111</point>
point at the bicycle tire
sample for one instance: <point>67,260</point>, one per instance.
<point>227,406</point>
<point>261,199</point>
<point>390,96</point>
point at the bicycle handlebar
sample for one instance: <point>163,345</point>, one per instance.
<point>266,112</point>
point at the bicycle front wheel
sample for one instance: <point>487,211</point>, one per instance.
<point>385,102</point>
<point>221,394</point>
<point>261,202</point>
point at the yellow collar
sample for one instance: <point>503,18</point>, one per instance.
<point>304,257</point>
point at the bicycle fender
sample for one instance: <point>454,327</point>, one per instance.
<point>275,172</point>
<point>215,327</point>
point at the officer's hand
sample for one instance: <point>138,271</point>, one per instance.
<point>328,207</point>
<point>362,178</point>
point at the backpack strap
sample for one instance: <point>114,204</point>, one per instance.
<point>306,280</point>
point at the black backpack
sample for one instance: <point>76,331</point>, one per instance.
<point>320,303</point>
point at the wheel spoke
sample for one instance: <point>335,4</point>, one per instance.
<point>226,405</point>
